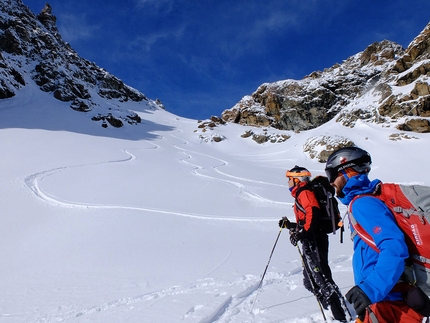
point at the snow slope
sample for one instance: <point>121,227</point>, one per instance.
<point>149,223</point>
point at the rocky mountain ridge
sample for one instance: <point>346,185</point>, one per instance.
<point>397,79</point>
<point>384,84</point>
<point>31,47</point>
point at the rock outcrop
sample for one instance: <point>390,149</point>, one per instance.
<point>31,47</point>
<point>384,84</point>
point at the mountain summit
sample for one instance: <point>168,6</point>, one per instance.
<point>395,78</point>
<point>32,50</point>
<point>383,84</point>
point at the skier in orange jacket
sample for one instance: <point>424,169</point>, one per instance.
<point>315,243</point>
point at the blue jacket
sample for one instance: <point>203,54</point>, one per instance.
<point>375,273</point>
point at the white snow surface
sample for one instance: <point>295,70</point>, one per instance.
<point>150,223</point>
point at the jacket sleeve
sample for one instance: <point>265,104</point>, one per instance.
<point>377,273</point>
<point>312,214</point>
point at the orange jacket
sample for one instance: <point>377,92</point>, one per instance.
<point>306,208</point>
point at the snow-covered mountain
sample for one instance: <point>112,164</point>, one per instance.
<point>396,78</point>
<point>150,223</point>
<point>32,50</point>
<point>163,220</point>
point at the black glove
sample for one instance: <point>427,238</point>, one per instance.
<point>286,224</point>
<point>295,237</point>
<point>358,299</point>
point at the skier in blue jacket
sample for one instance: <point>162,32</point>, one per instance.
<point>375,274</point>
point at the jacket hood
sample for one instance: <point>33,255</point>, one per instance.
<point>357,185</point>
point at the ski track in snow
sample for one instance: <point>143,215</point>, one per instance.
<point>222,163</point>
<point>229,305</point>
<point>66,313</point>
<point>32,182</point>
<point>226,309</point>
<point>243,190</point>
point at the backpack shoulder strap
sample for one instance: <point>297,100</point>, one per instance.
<point>296,200</point>
<point>358,229</point>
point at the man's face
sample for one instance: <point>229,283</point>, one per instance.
<point>339,184</point>
<point>290,182</point>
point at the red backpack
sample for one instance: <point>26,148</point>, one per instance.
<point>410,205</point>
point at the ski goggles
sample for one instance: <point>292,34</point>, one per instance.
<point>332,174</point>
<point>300,174</point>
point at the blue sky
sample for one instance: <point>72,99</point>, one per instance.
<point>200,57</point>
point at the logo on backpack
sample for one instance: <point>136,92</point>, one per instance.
<point>416,234</point>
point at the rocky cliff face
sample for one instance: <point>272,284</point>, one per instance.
<point>384,84</point>
<point>397,79</point>
<point>31,45</point>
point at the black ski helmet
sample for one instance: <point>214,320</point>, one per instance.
<point>301,173</point>
<point>347,157</point>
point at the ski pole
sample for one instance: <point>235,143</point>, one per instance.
<point>312,282</point>
<point>264,273</point>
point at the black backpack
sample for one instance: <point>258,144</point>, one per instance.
<point>325,195</point>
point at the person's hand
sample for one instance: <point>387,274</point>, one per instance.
<point>295,237</point>
<point>284,222</point>
<point>358,299</point>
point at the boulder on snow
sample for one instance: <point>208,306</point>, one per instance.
<point>321,147</point>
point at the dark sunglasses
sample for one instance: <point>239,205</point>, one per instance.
<point>332,174</point>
